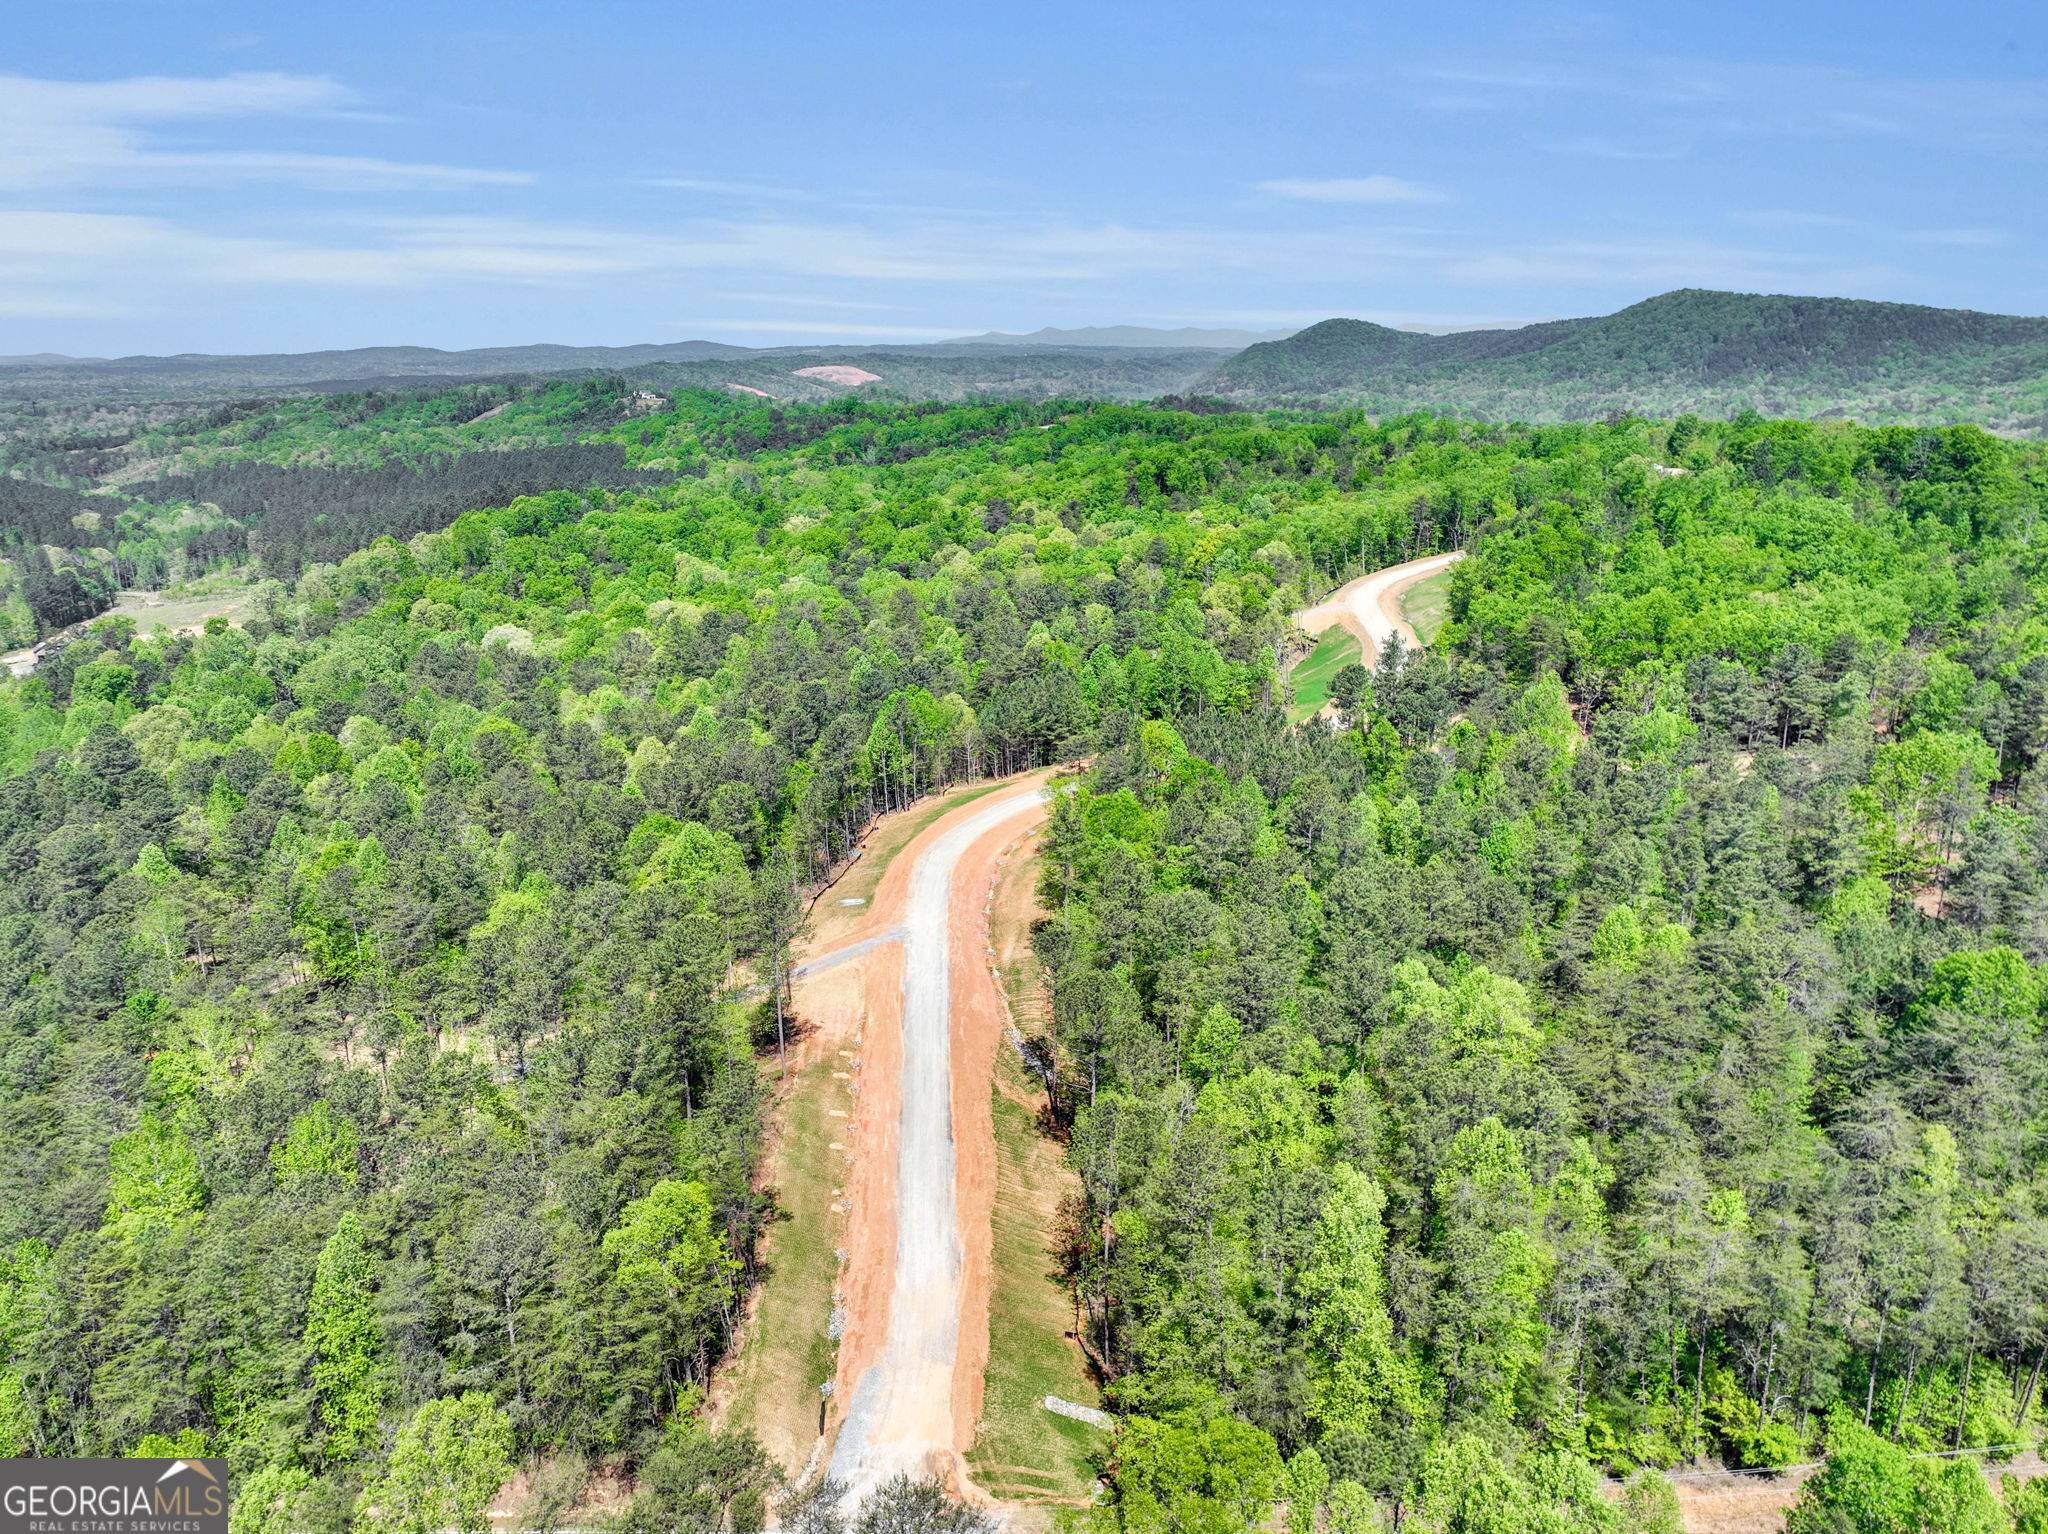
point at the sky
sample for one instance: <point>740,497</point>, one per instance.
<point>260,177</point>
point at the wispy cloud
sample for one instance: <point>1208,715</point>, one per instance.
<point>800,300</point>
<point>55,262</point>
<point>1633,151</point>
<point>1959,239</point>
<point>51,260</point>
<point>1658,263</point>
<point>71,133</point>
<point>1789,218</point>
<point>756,191</point>
<point>1661,95</point>
<point>1970,237</point>
<point>1358,189</point>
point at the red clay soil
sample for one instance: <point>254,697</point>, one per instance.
<point>873,984</point>
<point>868,1272</point>
<point>979,1015</point>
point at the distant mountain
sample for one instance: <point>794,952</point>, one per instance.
<point>1187,337</point>
<point>382,362</point>
<point>1715,353</point>
<point>1689,350</point>
<point>44,360</point>
<point>941,371</point>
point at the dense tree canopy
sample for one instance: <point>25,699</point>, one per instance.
<point>1619,1039</point>
<point>1624,1031</point>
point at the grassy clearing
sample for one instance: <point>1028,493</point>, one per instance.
<point>1311,679</point>
<point>1024,1453</point>
<point>786,1352</point>
<point>153,609</point>
<point>883,843</point>
<point>1425,603</point>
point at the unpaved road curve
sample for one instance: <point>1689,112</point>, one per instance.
<point>1370,607</point>
<point>900,1414</point>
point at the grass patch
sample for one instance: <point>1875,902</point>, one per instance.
<point>1425,604</point>
<point>890,838</point>
<point>1024,1453</point>
<point>829,918</point>
<point>771,1382</point>
<point>1311,679</point>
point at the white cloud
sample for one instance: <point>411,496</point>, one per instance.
<point>1361,189</point>
<point>1959,239</point>
<point>800,300</point>
<point>156,98</point>
<point>1593,146</point>
<point>332,171</point>
<point>61,133</point>
<point>1654,96</point>
<point>60,261</point>
<point>1664,263</point>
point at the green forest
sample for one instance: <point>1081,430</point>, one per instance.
<point>1693,349</point>
<point>1613,1044</point>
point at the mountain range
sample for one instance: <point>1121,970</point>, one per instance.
<point>1690,350</point>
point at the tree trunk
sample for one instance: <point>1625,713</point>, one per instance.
<point>2033,1379</point>
<point>1699,1384</point>
<point>1963,1409</point>
<point>1579,1369</point>
<point>1876,1353</point>
<point>1906,1395</point>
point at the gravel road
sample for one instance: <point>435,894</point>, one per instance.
<point>1367,607</point>
<point>900,1417</point>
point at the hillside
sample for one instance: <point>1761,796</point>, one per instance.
<point>199,369</point>
<point>1691,350</point>
<point>1105,364</point>
<point>1711,353</point>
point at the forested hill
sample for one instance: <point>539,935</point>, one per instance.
<point>1693,350</point>
<point>1083,367</point>
<point>1712,353</point>
<point>1618,1041</point>
<point>195,373</point>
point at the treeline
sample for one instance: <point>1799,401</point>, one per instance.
<point>1620,1044</point>
<point>290,518</point>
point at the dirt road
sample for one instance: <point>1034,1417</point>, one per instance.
<point>1370,607</point>
<point>915,1276</point>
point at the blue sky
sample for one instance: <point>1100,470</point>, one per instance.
<point>245,177</point>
